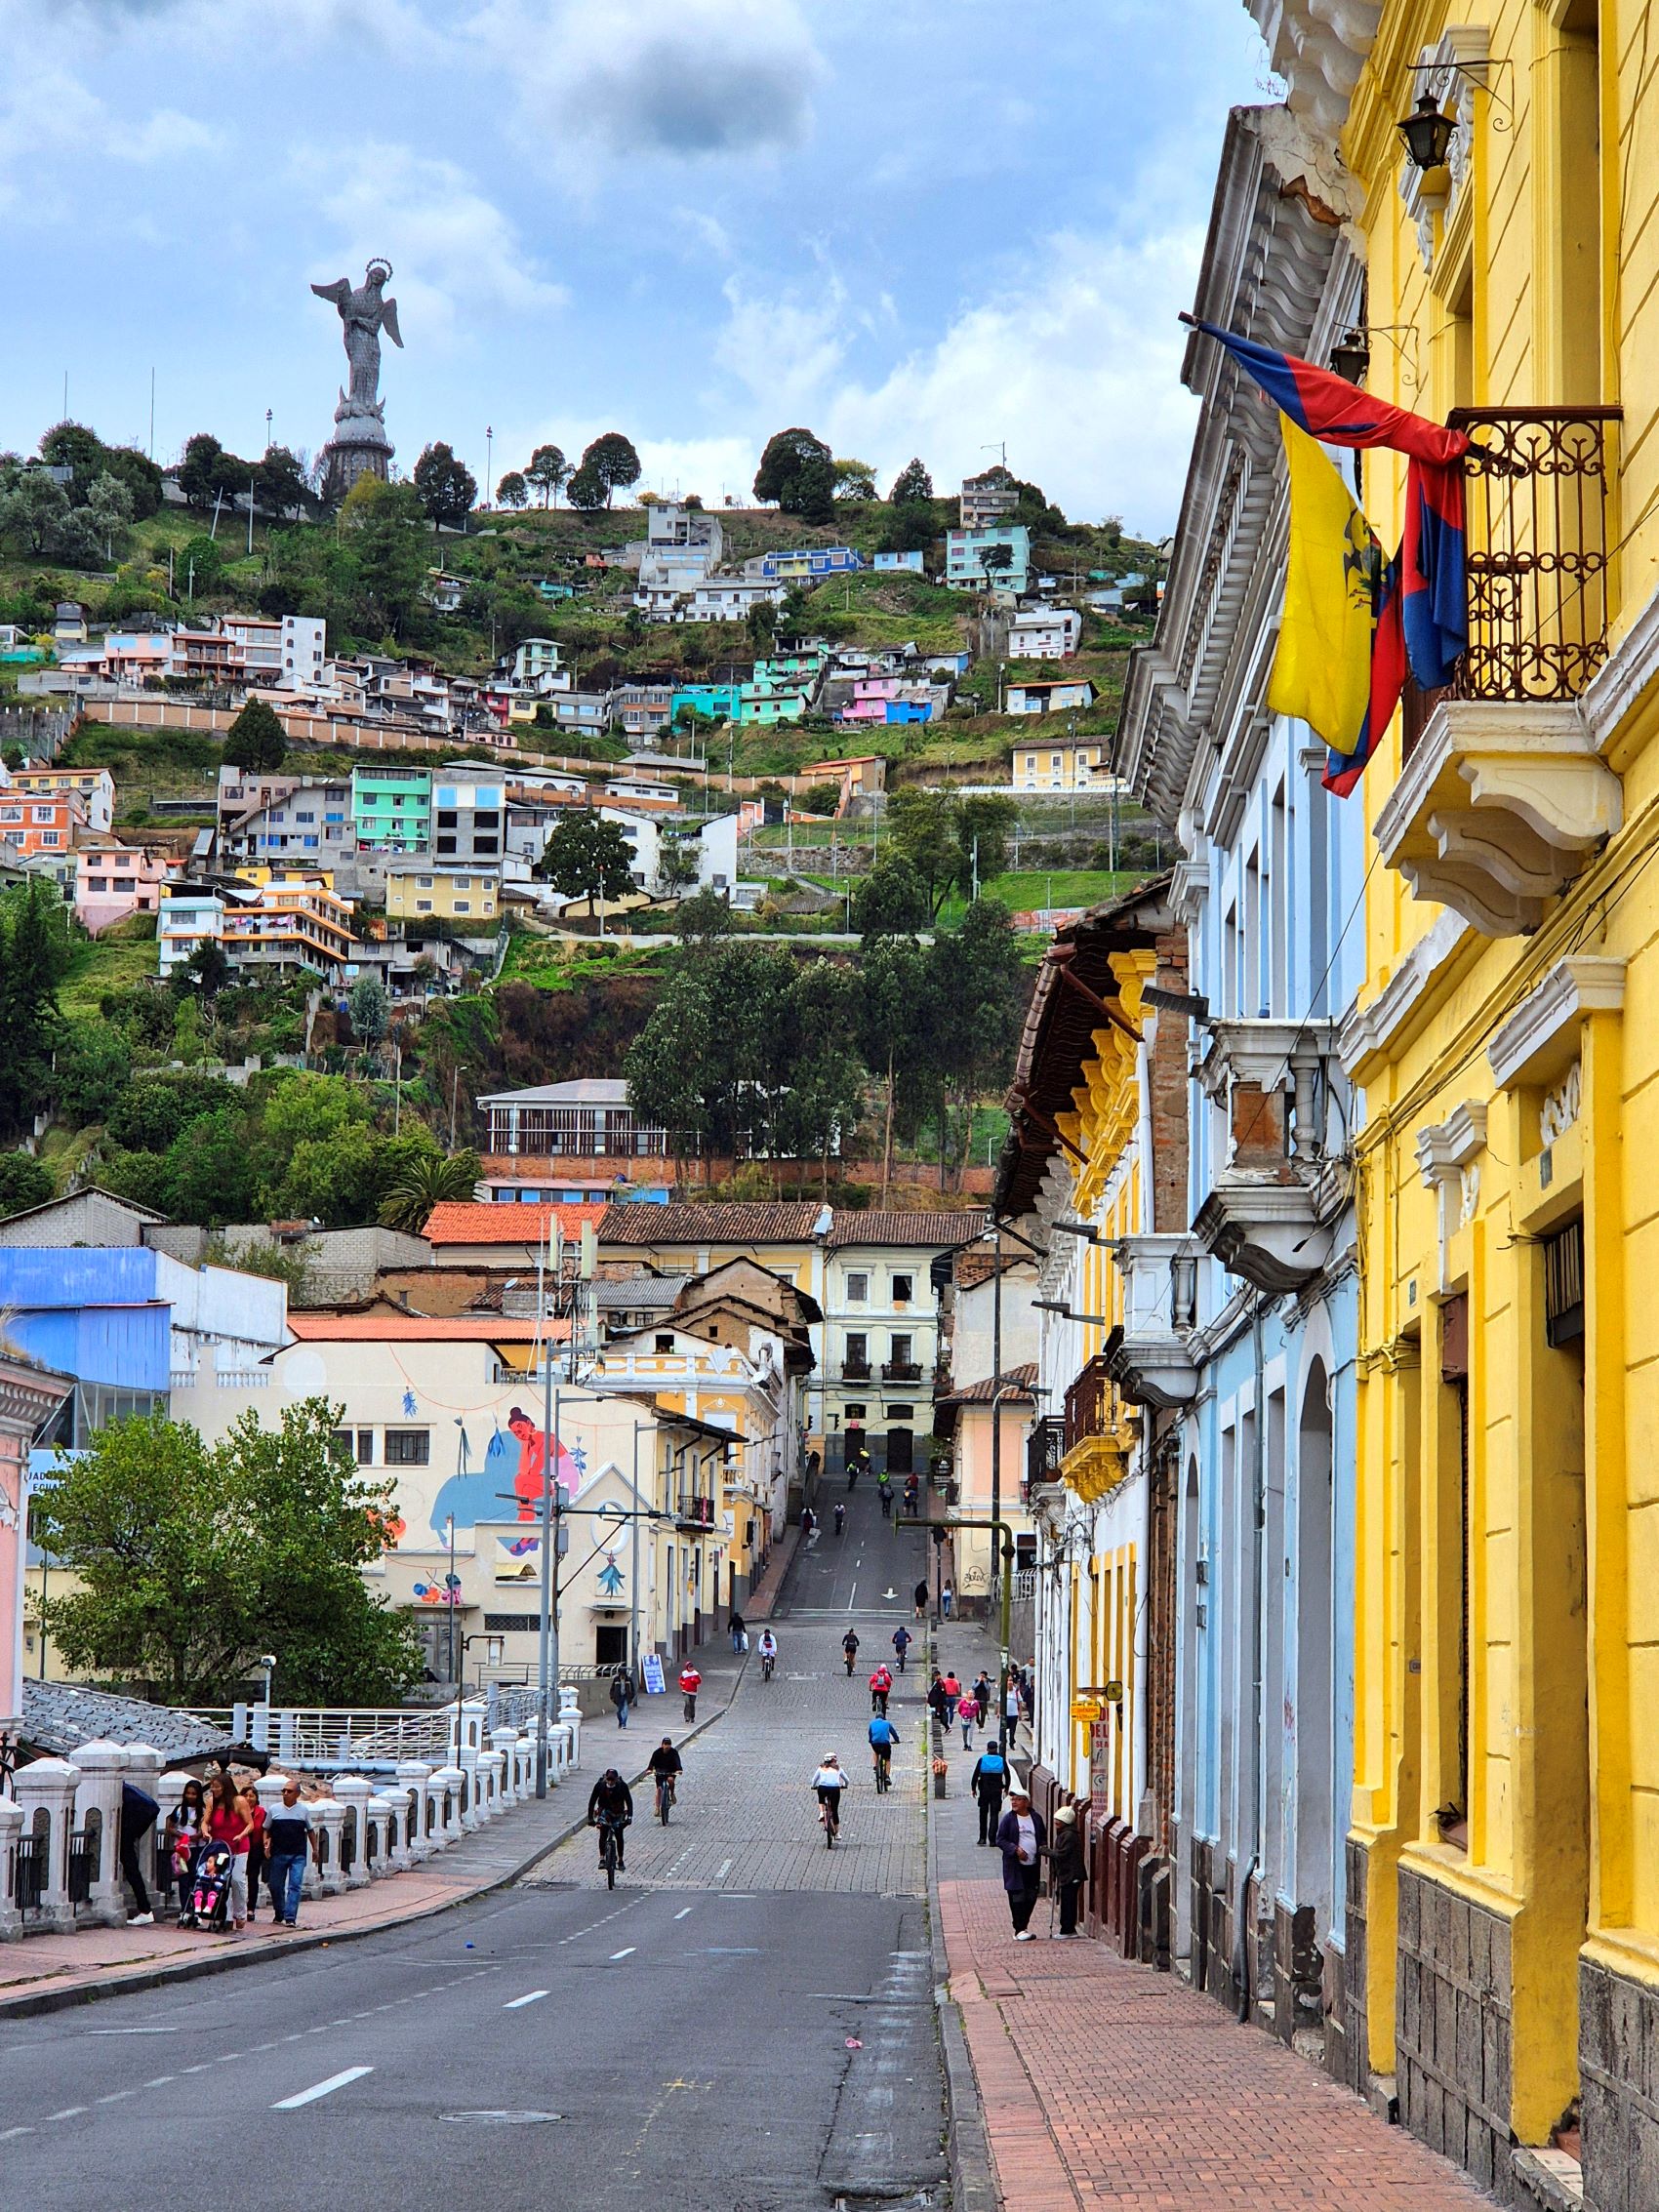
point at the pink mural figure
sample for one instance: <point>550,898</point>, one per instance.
<point>530,1478</point>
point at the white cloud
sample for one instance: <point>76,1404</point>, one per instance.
<point>784,349</point>
<point>685,78</point>
<point>1077,367</point>
<point>455,253</point>
<point>164,135</point>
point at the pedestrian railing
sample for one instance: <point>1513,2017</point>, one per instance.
<point>29,1855</point>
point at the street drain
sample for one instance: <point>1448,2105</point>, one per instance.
<point>500,2119</point>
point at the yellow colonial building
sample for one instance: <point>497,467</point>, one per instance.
<point>1503,1863</point>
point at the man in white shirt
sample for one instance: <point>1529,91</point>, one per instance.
<point>1021,1835</point>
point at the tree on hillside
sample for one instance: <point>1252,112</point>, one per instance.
<point>975,1002</point>
<point>198,468</point>
<point>589,857</point>
<point>548,470</point>
<point>612,459</point>
<point>431,1179</point>
<point>797,473</point>
<point>205,974</point>
<point>823,1098</point>
<point>912,483</point>
<point>892,901</point>
<point>23,1183</point>
<point>923,825</point>
<point>279,482</point>
<point>761,623</point>
<point>447,486</point>
<point>892,992</point>
<point>34,958</point>
<point>588,491</point>
<point>256,740</point>
<point>985,819</point>
<point>191,1560</point>
<point>369,1010</point>
<point>513,491</point>
<point>110,511</point>
<point>855,480</point>
<point>383,539</point>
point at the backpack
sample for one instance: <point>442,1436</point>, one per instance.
<point>993,1767</point>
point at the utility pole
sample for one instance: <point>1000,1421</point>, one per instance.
<point>547,1666</point>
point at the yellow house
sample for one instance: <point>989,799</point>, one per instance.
<point>1057,763</point>
<point>420,887</point>
<point>1503,1862</point>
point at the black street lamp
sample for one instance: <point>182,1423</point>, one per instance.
<point>1428,134</point>
<point>1351,357</point>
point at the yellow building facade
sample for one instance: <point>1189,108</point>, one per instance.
<point>1503,1861</point>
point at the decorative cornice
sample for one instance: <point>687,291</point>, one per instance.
<point>1540,1038</point>
<point>1318,47</point>
<point>1189,887</point>
<point>1369,1034</point>
<point>1445,1147</point>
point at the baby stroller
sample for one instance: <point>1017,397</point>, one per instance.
<point>206,1902</point>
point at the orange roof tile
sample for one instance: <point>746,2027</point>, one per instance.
<point>404,1328</point>
<point>460,1222</point>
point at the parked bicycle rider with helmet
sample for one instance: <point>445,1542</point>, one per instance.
<point>611,1804</point>
<point>882,1738</point>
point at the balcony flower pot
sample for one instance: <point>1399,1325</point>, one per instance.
<point>941,1772</point>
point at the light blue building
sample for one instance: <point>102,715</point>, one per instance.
<point>912,564</point>
<point>809,564</point>
<point>966,568</point>
<point>1271,888</point>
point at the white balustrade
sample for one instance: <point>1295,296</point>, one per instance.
<point>416,1776</point>
<point>353,1791</point>
<point>101,1767</point>
<point>45,1790</point>
<point>504,1740</point>
<point>472,1813</point>
<point>394,1801</point>
<point>491,1765</point>
<point>11,1827</point>
<point>448,1781</point>
<point>330,1815</point>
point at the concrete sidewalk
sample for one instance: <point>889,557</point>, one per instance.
<point>1078,2078</point>
<point>43,1973</point>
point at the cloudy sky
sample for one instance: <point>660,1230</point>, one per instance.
<point>916,226</point>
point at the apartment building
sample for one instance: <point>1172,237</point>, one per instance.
<point>881,1331</point>
<point>43,827</point>
<point>966,568</point>
<point>93,787</point>
<point>468,819</point>
<point>988,500</point>
<point>115,879</point>
<point>1044,633</point>
<point>1063,764</point>
<point>391,808</point>
<point>417,887</point>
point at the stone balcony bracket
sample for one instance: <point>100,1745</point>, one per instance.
<point>1502,803</point>
<point>1266,1229</point>
<point>1150,1356</point>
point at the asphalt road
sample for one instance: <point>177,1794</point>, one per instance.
<point>744,2024</point>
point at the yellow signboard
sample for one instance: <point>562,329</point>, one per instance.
<point>1086,1710</point>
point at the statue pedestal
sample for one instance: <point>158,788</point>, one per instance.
<point>359,446</point>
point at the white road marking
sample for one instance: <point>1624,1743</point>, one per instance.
<point>115,2095</point>
<point>723,1870</point>
<point>513,2004</point>
<point>321,2089</point>
<point>69,2113</point>
<point>628,1953</point>
<point>851,1594</point>
<point>685,1914</point>
<point>7,2133</point>
<point>160,2082</point>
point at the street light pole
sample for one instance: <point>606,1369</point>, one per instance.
<point>633,1582</point>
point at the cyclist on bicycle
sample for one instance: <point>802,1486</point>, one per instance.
<point>768,1654</point>
<point>901,1640</point>
<point>611,1805</point>
<point>841,1516</point>
<point>850,1646</point>
<point>884,1493</point>
<point>830,1781</point>
<point>882,1738</point>
<point>666,1766</point>
<point>880,1687</point>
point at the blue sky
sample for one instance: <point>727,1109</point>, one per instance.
<point>916,226</point>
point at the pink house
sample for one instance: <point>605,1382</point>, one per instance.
<point>113,880</point>
<point>869,700</point>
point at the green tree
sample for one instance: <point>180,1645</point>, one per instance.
<point>199,469</point>
<point>855,480</point>
<point>912,483</point>
<point>23,1183</point>
<point>513,491</point>
<point>206,973</point>
<point>819,1111</point>
<point>761,621</point>
<point>891,900</point>
<point>191,1560</point>
<point>431,1179</point>
<point>34,958</point>
<point>256,740</point>
<point>797,472</point>
<point>548,470</point>
<point>893,989</point>
<point>110,511</point>
<point>199,567</point>
<point>611,458</point>
<point>676,866</point>
<point>152,1110</point>
<point>985,819</point>
<point>369,1010</point>
<point>35,512</point>
<point>384,540</point>
<point>447,488</point>
<point>587,858</point>
<point>280,482</point>
<point>923,824</point>
<point>210,1173</point>
<point>73,445</point>
<point>588,491</point>
<point>977,990</point>
<point>94,1066</point>
<point>704,917</point>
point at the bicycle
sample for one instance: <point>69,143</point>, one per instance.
<point>830,1814</point>
<point>883,1768</point>
<point>665,1796</point>
<point>768,1660</point>
<point>610,1846</point>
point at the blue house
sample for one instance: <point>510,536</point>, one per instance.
<point>1271,874</point>
<point>914,564</point>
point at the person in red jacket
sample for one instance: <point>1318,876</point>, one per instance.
<point>691,1681</point>
<point>881,1683</point>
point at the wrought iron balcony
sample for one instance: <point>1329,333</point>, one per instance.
<point>855,1370</point>
<point>1097,1441</point>
<point>901,1371</point>
<point>1045,1448</point>
<point>1503,797</point>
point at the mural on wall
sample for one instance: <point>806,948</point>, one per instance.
<point>512,1480</point>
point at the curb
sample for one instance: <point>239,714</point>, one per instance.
<point>967,2147</point>
<point>28,2005</point>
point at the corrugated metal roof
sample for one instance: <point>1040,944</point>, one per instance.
<point>585,1089</point>
<point>58,1717</point>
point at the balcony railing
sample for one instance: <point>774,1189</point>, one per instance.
<point>1536,517</point>
<point>1045,1448</point>
<point>901,1371</point>
<point>1088,1403</point>
<point>855,1370</point>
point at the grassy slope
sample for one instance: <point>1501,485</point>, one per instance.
<point>123,955</point>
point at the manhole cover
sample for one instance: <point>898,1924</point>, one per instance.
<point>500,2119</point>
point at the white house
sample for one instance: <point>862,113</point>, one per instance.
<point>1044,633</point>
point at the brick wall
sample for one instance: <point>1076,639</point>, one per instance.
<point>1171,1212</point>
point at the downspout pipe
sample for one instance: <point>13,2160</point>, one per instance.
<point>1242,1949</point>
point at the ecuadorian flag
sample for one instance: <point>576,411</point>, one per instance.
<point>1322,669</point>
<point>1420,618</point>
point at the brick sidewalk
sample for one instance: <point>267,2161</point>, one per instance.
<point>1102,2083</point>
